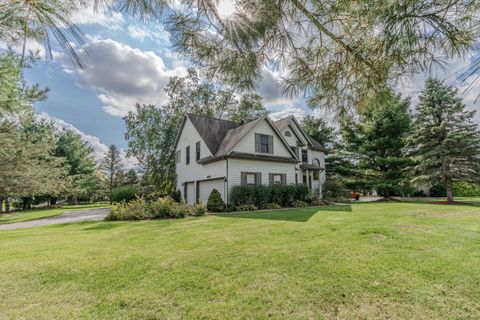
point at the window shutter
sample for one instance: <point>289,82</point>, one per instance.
<point>243,178</point>
<point>258,180</point>
<point>270,144</point>
<point>257,142</point>
<point>270,178</point>
<point>284,178</point>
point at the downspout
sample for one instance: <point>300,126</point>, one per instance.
<point>226,186</point>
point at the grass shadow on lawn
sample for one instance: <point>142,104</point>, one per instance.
<point>293,214</point>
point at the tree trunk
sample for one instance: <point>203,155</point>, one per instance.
<point>449,190</point>
<point>1,204</point>
<point>7,205</point>
<point>53,201</point>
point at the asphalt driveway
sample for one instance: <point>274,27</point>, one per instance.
<point>66,217</point>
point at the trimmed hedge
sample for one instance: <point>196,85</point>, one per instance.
<point>261,195</point>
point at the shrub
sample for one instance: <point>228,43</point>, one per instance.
<point>176,195</point>
<point>141,209</point>
<point>215,202</point>
<point>124,193</point>
<point>199,209</point>
<point>438,191</point>
<point>465,189</point>
<point>134,210</point>
<point>247,207</point>
<point>243,195</point>
<point>259,196</point>
<point>334,189</point>
<point>167,208</point>
<point>231,207</point>
<point>299,204</point>
<point>271,206</point>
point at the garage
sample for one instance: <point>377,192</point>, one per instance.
<point>205,188</point>
<point>189,192</point>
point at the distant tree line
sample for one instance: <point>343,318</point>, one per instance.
<point>40,163</point>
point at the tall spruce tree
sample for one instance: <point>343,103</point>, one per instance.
<point>80,159</point>
<point>111,165</point>
<point>445,141</point>
<point>379,140</point>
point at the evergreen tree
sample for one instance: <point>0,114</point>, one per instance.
<point>131,177</point>
<point>80,159</point>
<point>249,108</point>
<point>378,138</point>
<point>111,165</point>
<point>445,141</point>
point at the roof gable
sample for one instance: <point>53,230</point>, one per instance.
<point>211,130</point>
<point>285,122</point>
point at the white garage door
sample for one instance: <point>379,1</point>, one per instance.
<point>190,196</point>
<point>205,187</point>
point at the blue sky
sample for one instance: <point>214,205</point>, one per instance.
<point>131,62</point>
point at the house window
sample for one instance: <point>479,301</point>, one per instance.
<point>197,150</point>
<point>187,155</point>
<point>251,178</point>
<point>305,156</point>
<point>316,162</point>
<point>178,156</point>
<point>288,134</point>
<point>277,178</point>
<point>263,143</point>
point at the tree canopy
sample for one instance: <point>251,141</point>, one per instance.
<point>339,53</point>
<point>446,141</point>
<point>378,139</point>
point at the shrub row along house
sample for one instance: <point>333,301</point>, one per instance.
<point>218,154</point>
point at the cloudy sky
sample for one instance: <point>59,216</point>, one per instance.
<point>130,62</point>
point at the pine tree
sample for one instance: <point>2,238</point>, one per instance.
<point>80,159</point>
<point>446,141</point>
<point>111,165</point>
<point>379,139</point>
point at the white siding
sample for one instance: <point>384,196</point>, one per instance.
<point>292,140</point>
<point>236,166</point>
<point>299,130</point>
<point>247,144</point>
<point>195,171</point>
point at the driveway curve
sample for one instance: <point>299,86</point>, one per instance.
<point>66,217</point>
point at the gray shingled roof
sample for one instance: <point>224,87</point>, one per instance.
<point>282,123</point>
<point>212,130</point>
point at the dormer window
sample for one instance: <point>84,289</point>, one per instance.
<point>263,143</point>
<point>288,134</point>
<point>304,156</point>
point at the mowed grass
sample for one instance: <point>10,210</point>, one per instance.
<point>35,214</point>
<point>370,261</point>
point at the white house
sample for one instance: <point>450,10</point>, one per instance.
<point>219,154</point>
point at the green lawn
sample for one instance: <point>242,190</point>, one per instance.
<point>370,261</point>
<point>36,214</point>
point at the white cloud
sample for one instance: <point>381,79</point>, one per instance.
<point>108,19</point>
<point>152,32</point>
<point>268,86</point>
<point>290,111</point>
<point>99,148</point>
<point>124,75</point>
